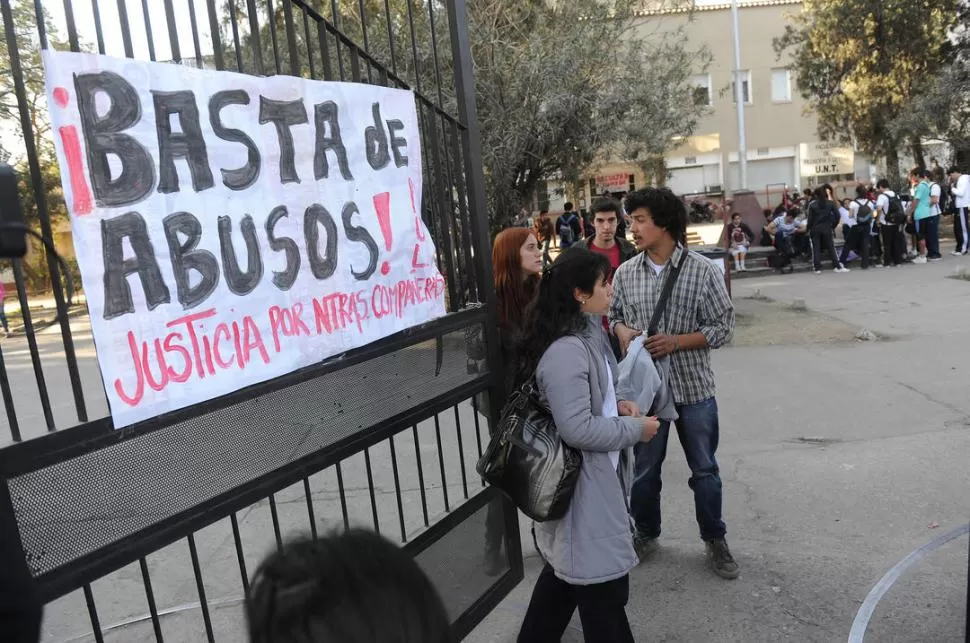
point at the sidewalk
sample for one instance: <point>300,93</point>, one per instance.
<point>43,312</point>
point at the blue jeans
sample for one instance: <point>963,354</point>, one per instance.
<point>697,429</point>
<point>928,229</point>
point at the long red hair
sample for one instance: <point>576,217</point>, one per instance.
<point>513,290</point>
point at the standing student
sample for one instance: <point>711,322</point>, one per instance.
<point>569,227</point>
<point>892,218</point>
<point>860,214</point>
<point>960,189</point>
<point>588,552</point>
<point>822,218</point>
<point>699,317</point>
<point>919,212</point>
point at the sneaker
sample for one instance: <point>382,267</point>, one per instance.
<point>956,253</point>
<point>841,269</point>
<point>934,259</point>
<point>919,259</point>
<point>818,272</point>
<point>645,546</point>
<point>720,559</point>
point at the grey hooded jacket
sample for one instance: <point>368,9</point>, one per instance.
<point>592,543</point>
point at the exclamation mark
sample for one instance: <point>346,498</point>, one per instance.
<point>418,228</point>
<point>382,205</point>
<point>75,165</point>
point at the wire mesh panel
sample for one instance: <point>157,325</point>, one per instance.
<point>154,531</point>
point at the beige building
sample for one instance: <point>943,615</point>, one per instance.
<point>783,149</point>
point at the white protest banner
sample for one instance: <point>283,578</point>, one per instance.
<point>231,229</point>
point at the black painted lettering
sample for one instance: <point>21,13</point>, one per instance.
<point>322,266</point>
<point>186,257</point>
<point>103,136</point>
<point>362,235</point>
<point>117,292</point>
<point>283,279</point>
<point>239,282</point>
<point>188,144</point>
<point>375,141</point>
<point>239,178</point>
<point>284,114</point>
<point>397,142</point>
<point>325,114</point>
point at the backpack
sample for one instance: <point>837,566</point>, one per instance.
<point>864,213</point>
<point>738,236</point>
<point>567,235</point>
<point>895,214</point>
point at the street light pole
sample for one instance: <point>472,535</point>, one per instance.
<point>739,99</point>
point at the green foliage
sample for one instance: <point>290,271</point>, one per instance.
<point>862,64</point>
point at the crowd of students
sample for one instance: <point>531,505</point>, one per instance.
<point>878,226</point>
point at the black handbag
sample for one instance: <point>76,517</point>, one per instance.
<point>527,460</point>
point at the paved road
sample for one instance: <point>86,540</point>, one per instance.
<point>838,459</point>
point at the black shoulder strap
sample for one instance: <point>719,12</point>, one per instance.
<point>665,293</point>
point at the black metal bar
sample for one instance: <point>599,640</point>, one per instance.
<point>8,400</point>
<point>417,457</point>
<point>414,48</point>
<point>470,285</point>
<point>461,453</point>
<point>291,39</point>
<point>93,614</point>
<point>239,553</point>
<point>45,401</point>
<point>441,462</point>
<point>443,217</point>
<point>335,20</point>
<point>271,17</point>
<point>434,54</point>
<point>150,595</point>
<point>478,427</point>
<point>370,488</point>
<point>309,47</point>
<point>210,6</point>
<point>354,65</point>
<point>309,507</point>
<point>254,36</point>
<point>234,21</point>
<point>276,523</point>
<point>343,497</point>
<point>203,603</point>
<point>71,27</point>
<point>173,35</point>
<point>363,24</point>
<point>452,223</point>
<point>149,34</point>
<point>40,196</point>
<point>322,37</point>
<point>390,34</point>
<point>60,446</point>
<point>195,35</point>
<point>96,11</point>
<point>41,27</point>
<point>397,489</point>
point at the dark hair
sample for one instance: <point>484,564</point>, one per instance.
<point>828,188</point>
<point>542,212</point>
<point>954,170</point>
<point>568,206</point>
<point>353,587</point>
<point>821,195</point>
<point>793,212</point>
<point>554,312</point>
<point>605,205</point>
<point>926,173</point>
<point>666,210</point>
<point>882,183</point>
<point>915,171</point>
<point>861,191</point>
<point>738,214</point>
<point>513,289</point>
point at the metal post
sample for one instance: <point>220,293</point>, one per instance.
<point>739,98</point>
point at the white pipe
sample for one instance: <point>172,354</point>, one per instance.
<point>739,98</point>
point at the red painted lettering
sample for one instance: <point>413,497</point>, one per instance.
<point>135,398</point>
<point>252,339</point>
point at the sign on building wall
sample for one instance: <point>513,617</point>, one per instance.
<point>822,159</point>
<point>613,183</point>
<point>231,229</point>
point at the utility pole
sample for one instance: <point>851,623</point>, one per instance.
<point>739,99</point>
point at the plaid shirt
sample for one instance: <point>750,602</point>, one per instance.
<point>699,302</point>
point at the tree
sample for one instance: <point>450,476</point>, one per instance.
<point>559,85</point>
<point>862,63</point>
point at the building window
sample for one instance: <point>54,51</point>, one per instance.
<point>781,85</point>
<point>701,89</point>
<point>745,87</point>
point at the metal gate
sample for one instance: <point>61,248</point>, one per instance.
<point>153,530</point>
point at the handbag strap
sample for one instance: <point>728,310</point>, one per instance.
<point>665,293</point>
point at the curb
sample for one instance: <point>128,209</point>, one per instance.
<point>41,324</point>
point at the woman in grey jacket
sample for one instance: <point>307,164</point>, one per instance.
<point>589,552</point>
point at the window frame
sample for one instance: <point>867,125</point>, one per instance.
<point>787,72</point>
<point>746,78</point>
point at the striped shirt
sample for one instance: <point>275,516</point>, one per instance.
<point>699,302</point>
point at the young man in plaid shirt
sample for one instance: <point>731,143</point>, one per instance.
<point>699,316</point>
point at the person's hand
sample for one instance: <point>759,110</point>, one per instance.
<point>628,408</point>
<point>650,427</point>
<point>626,335</point>
<point>661,345</point>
